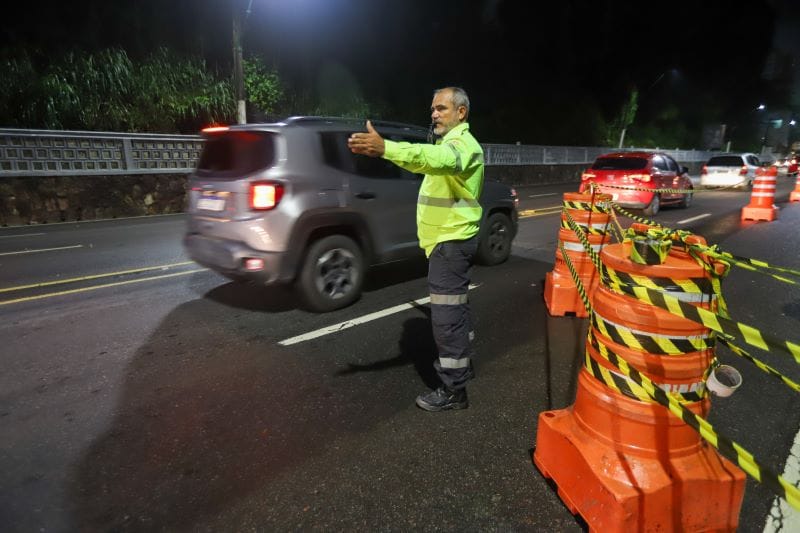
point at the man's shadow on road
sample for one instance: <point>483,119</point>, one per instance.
<point>417,347</point>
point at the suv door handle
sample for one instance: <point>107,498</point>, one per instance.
<point>365,195</point>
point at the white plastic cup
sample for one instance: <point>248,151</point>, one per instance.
<point>724,380</point>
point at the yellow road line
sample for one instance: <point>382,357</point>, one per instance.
<point>43,250</point>
<point>95,287</point>
<point>527,213</point>
<point>95,276</point>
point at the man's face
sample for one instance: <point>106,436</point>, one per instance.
<point>444,114</point>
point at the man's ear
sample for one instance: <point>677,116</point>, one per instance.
<point>462,113</point>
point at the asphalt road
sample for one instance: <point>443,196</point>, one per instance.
<point>141,392</point>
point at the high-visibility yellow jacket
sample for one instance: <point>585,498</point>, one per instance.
<point>447,206</point>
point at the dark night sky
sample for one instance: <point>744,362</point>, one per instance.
<point>538,72</point>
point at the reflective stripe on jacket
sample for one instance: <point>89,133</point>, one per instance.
<point>447,207</point>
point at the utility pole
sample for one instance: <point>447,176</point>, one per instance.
<point>238,70</point>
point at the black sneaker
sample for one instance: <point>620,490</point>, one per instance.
<point>443,399</point>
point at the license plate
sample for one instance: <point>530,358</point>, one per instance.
<point>614,196</point>
<point>211,203</point>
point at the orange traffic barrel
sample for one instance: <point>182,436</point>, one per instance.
<point>620,460</point>
<point>589,213</point>
<point>794,196</point>
<point>762,198</point>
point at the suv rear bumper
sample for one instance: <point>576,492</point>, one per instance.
<point>228,258</point>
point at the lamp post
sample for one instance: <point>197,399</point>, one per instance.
<point>762,107</point>
<point>238,62</point>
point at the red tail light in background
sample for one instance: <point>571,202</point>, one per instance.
<point>743,171</point>
<point>587,176</point>
<point>705,170</point>
<point>265,196</point>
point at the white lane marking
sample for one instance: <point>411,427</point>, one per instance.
<point>43,250</point>
<point>347,324</point>
<point>21,235</point>
<point>698,217</point>
<point>543,194</point>
<point>783,517</point>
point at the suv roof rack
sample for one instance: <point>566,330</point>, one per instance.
<point>318,119</point>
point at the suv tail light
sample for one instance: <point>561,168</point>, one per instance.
<point>640,177</point>
<point>265,196</point>
<point>587,176</point>
<point>743,171</point>
<point>705,170</point>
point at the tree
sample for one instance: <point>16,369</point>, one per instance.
<point>108,91</point>
<point>262,85</point>
<point>615,134</point>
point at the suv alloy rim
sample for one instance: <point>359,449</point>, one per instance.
<point>497,238</point>
<point>335,271</point>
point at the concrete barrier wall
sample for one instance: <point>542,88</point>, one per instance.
<point>42,200</point>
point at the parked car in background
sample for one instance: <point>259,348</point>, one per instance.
<point>730,170</point>
<point>788,165</point>
<point>640,180</point>
<point>289,203</point>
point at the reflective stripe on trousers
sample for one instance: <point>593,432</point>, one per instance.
<point>448,281</point>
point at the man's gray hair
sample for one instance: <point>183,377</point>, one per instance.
<point>459,97</point>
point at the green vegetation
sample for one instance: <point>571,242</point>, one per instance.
<point>107,91</point>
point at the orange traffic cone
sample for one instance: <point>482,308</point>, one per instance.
<point>560,292</point>
<point>761,205</point>
<point>621,461</point>
<point>795,195</point>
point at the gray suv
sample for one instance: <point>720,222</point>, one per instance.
<point>289,203</point>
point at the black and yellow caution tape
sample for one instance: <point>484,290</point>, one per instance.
<point>728,448</point>
<point>630,388</point>
<point>700,288</point>
<point>645,189</point>
<point>651,342</point>
<point>616,207</point>
<point>576,279</point>
<point>589,229</point>
<point>576,229</point>
<point>753,265</point>
<point>595,207</point>
<point>649,246</point>
<point>713,321</point>
<point>758,363</point>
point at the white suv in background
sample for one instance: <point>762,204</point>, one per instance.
<point>730,170</point>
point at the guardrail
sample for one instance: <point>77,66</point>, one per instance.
<point>79,153</point>
<point>33,153</point>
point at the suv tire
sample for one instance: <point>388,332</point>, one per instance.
<point>332,274</point>
<point>495,242</point>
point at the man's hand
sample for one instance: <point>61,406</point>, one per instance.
<point>370,143</point>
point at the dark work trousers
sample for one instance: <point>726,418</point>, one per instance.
<point>449,268</point>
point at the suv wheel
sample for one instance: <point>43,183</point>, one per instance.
<point>654,207</point>
<point>495,242</point>
<point>332,273</point>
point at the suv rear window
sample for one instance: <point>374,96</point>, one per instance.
<point>619,163</point>
<point>725,161</point>
<point>237,152</point>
